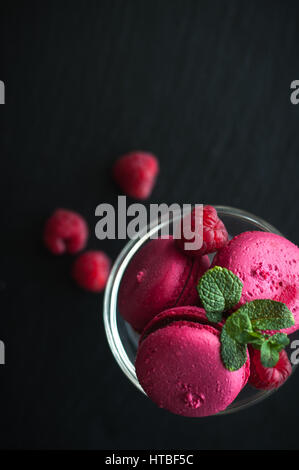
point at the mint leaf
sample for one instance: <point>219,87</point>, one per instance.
<point>214,317</point>
<point>269,354</point>
<point>233,354</point>
<point>219,290</point>
<point>279,341</point>
<point>271,348</point>
<point>245,337</point>
<point>237,324</point>
<point>251,337</point>
<point>256,339</point>
<point>268,314</point>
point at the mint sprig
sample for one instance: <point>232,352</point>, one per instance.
<point>244,327</point>
<point>219,290</point>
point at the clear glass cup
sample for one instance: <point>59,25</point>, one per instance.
<point>123,340</point>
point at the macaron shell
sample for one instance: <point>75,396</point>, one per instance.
<point>155,279</point>
<point>180,368</point>
<point>268,266</point>
<point>183,313</point>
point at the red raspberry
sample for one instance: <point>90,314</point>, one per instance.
<point>136,173</point>
<point>91,270</point>
<point>267,378</point>
<point>65,231</point>
<point>215,235</point>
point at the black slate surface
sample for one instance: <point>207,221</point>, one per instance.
<point>204,85</point>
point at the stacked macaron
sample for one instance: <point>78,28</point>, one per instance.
<point>199,326</point>
<point>179,364</point>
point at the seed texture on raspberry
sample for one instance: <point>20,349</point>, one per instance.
<point>268,378</point>
<point>65,232</point>
<point>214,233</point>
<point>136,173</point>
<point>91,270</point>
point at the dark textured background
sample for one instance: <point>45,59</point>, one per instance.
<point>204,85</point>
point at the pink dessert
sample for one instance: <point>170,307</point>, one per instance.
<point>159,276</point>
<point>268,266</point>
<point>179,365</point>
<point>194,361</point>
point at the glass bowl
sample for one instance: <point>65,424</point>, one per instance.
<point>123,340</point>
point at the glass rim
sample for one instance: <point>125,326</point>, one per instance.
<point>110,296</point>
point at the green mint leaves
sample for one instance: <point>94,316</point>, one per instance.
<point>220,290</point>
<point>268,314</point>
<point>271,348</point>
<point>244,327</point>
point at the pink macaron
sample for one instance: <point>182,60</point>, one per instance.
<point>159,277</point>
<point>179,366</point>
<point>268,266</point>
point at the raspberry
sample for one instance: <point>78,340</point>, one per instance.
<point>215,235</point>
<point>268,378</point>
<point>136,173</point>
<point>91,270</point>
<point>65,231</point>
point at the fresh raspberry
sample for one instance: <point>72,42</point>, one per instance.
<point>215,235</point>
<point>136,173</point>
<point>91,270</point>
<point>268,378</point>
<point>65,231</point>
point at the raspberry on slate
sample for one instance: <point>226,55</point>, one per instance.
<point>65,231</point>
<point>91,270</point>
<point>136,173</point>
<point>215,235</point>
<point>268,378</point>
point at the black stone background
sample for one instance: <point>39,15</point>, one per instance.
<point>203,84</point>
